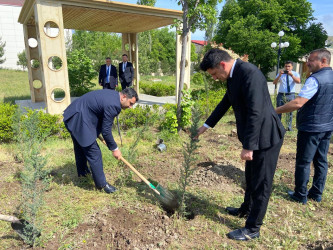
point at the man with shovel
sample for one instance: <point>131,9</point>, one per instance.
<point>87,117</point>
<point>259,130</point>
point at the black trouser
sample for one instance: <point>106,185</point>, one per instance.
<point>93,155</point>
<point>107,86</point>
<point>259,175</point>
<point>125,84</point>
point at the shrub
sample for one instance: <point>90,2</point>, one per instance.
<point>158,89</point>
<point>47,123</point>
<point>198,79</point>
<point>169,122</point>
<point>207,101</point>
<point>135,117</point>
<point>170,118</point>
<point>7,112</point>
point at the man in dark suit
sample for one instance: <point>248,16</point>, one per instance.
<point>259,130</point>
<point>87,117</point>
<point>126,73</point>
<point>108,75</point>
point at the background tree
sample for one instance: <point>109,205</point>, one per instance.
<point>313,37</point>
<point>250,26</point>
<point>2,51</point>
<point>197,14</point>
<point>80,72</point>
<point>22,60</point>
<point>146,2</point>
<point>97,46</point>
<point>157,48</point>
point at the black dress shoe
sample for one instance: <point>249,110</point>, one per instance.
<point>109,188</point>
<point>243,234</point>
<point>236,212</point>
<point>293,196</point>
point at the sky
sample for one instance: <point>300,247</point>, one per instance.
<point>323,12</point>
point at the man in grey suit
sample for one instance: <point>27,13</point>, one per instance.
<point>259,129</point>
<point>126,73</point>
<point>87,117</point>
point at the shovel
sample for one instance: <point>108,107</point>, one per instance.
<point>167,199</point>
<point>19,226</point>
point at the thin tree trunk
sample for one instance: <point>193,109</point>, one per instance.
<point>182,64</point>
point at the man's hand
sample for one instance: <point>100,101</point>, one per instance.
<point>117,154</point>
<point>281,72</point>
<point>201,130</point>
<point>246,155</point>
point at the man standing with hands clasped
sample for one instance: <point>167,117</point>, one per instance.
<point>259,130</point>
<point>314,105</point>
<point>108,75</point>
<point>126,72</point>
<point>287,78</point>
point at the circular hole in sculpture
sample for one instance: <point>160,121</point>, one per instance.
<point>37,84</point>
<point>51,29</point>
<point>32,42</point>
<point>55,62</point>
<point>35,63</point>
<point>127,47</point>
<point>58,95</point>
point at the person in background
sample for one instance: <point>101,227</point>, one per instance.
<point>259,129</point>
<point>108,75</point>
<point>87,117</point>
<point>314,105</point>
<point>126,72</point>
<point>287,78</point>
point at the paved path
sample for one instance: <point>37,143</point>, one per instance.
<point>143,99</point>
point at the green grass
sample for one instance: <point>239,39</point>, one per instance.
<point>14,85</point>
<point>71,202</point>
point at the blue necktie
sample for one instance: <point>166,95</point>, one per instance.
<point>107,73</point>
<point>124,67</point>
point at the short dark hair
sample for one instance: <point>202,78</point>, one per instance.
<point>130,93</point>
<point>288,62</point>
<point>323,53</point>
<point>213,58</point>
<point>124,55</point>
<point>106,58</point>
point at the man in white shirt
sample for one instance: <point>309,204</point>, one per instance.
<point>287,78</point>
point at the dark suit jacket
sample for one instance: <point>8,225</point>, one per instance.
<point>92,114</point>
<point>113,77</point>
<point>128,75</point>
<point>258,126</point>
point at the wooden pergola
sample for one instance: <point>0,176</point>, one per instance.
<point>41,17</point>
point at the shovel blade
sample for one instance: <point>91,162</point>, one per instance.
<point>24,230</point>
<point>168,200</point>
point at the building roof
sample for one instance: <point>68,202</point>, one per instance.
<point>12,2</point>
<point>200,42</point>
<point>91,15</point>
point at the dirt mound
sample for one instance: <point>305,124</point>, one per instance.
<point>121,228</point>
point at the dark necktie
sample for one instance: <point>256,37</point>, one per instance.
<point>288,86</point>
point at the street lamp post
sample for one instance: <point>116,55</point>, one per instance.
<point>281,46</point>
